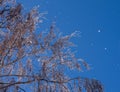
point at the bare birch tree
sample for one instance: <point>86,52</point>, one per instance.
<point>35,61</point>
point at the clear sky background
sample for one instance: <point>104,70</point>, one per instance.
<point>99,24</point>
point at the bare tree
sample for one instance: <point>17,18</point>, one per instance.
<point>35,61</point>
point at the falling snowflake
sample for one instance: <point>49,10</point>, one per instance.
<point>105,48</point>
<point>99,31</point>
<point>31,42</point>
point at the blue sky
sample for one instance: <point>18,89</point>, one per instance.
<point>99,24</point>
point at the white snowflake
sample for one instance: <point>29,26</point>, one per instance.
<point>105,48</point>
<point>99,31</point>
